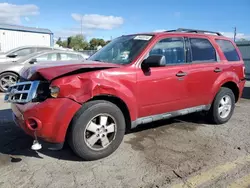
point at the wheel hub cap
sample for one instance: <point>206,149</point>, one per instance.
<point>6,81</point>
<point>100,131</point>
<point>225,106</point>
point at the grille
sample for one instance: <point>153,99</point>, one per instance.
<point>22,92</point>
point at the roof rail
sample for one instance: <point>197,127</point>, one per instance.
<point>194,31</point>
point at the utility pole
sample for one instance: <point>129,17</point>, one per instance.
<point>81,26</point>
<point>235,34</point>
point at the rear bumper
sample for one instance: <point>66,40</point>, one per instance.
<point>52,115</point>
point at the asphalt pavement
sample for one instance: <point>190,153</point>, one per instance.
<point>182,152</point>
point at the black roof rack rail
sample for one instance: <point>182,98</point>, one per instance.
<point>194,31</point>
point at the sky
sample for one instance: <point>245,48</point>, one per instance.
<point>111,18</point>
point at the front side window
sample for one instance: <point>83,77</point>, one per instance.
<point>122,50</point>
<point>229,50</point>
<point>202,50</point>
<point>172,49</point>
<point>24,52</point>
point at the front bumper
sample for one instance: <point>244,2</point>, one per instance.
<point>53,115</point>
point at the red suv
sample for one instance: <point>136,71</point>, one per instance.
<point>135,79</point>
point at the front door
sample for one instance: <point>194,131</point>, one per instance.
<point>164,89</point>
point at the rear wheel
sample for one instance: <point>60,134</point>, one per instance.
<point>7,79</point>
<point>223,106</point>
<point>97,130</point>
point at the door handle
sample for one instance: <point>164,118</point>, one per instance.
<point>181,74</point>
<point>217,69</point>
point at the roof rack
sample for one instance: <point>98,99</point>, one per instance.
<point>194,31</point>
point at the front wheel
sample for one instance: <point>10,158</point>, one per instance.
<point>223,106</point>
<point>97,130</point>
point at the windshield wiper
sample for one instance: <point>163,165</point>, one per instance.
<point>97,60</point>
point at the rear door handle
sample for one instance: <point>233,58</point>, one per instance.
<point>217,70</point>
<point>181,74</point>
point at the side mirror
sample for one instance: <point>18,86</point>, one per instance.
<point>154,61</point>
<point>12,55</point>
<point>32,61</point>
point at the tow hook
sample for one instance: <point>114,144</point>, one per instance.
<point>36,145</point>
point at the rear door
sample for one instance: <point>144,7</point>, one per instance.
<point>205,69</point>
<point>164,89</point>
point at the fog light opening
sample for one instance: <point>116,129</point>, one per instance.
<point>33,124</point>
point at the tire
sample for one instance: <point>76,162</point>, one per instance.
<point>78,135</point>
<point>6,76</point>
<point>215,115</point>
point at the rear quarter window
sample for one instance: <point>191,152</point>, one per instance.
<point>202,50</point>
<point>228,49</point>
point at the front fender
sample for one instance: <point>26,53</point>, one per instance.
<point>84,87</point>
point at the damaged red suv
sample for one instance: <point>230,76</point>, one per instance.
<point>135,79</point>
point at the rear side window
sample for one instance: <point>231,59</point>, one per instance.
<point>229,50</point>
<point>42,49</point>
<point>80,57</point>
<point>202,50</point>
<point>68,56</point>
<point>47,57</point>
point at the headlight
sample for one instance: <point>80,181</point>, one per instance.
<point>54,91</point>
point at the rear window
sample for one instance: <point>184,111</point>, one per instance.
<point>202,50</point>
<point>229,50</point>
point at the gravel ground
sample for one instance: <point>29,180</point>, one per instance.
<point>183,152</point>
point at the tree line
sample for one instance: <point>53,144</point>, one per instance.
<point>78,42</point>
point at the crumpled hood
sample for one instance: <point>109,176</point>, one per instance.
<point>51,70</point>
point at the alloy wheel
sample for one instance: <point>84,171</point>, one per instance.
<point>225,106</point>
<point>7,81</point>
<point>100,132</point>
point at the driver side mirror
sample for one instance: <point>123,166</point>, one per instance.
<point>32,61</point>
<point>154,61</point>
<point>13,55</point>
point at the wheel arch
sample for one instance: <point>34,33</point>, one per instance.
<point>115,100</point>
<point>233,86</point>
<point>118,102</point>
<point>10,71</point>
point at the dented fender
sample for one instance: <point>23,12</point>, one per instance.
<point>85,86</point>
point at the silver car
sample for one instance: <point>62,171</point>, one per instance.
<point>19,52</point>
<point>9,71</point>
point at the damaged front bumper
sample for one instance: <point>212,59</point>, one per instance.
<point>48,120</point>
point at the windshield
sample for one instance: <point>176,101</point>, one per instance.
<point>122,50</point>
<point>12,50</point>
